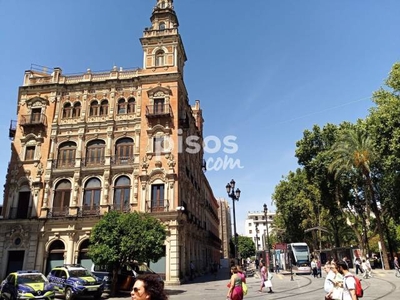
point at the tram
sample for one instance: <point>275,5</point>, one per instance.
<point>299,258</point>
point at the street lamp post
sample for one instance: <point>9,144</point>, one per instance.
<point>234,195</point>
<point>266,224</point>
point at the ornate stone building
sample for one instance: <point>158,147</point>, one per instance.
<point>90,143</point>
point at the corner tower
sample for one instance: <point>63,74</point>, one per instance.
<point>162,44</point>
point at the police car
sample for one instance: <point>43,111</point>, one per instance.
<point>74,281</point>
<point>30,284</point>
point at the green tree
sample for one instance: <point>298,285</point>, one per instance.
<point>119,238</point>
<point>294,197</point>
<point>313,153</point>
<point>246,246</point>
<point>383,125</point>
<point>353,155</point>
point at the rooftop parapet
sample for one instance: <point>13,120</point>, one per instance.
<point>39,75</point>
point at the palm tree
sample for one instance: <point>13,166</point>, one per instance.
<point>353,155</point>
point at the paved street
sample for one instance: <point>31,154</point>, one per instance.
<point>384,285</point>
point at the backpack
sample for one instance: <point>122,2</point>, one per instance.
<point>358,288</point>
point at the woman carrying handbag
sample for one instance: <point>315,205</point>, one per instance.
<point>265,279</point>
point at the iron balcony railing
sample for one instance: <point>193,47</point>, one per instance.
<point>12,129</point>
<point>64,163</point>
<point>93,161</point>
<point>58,212</point>
<point>18,213</point>
<point>123,207</point>
<point>122,160</point>
<point>89,210</point>
<point>157,205</point>
<point>33,119</point>
<point>155,111</point>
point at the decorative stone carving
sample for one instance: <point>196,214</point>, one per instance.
<point>145,164</point>
<point>171,161</point>
<point>40,169</point>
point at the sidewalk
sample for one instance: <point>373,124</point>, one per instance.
<point>222,274</point>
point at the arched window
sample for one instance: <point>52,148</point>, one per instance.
<point>91,196</point>
<point>67,111</point>
<point>94,108</point>
<point>104,108</point>
<point>162,26</point>
<point>122,193</point>
<point>162,4</point>
<point>62,197</point>
<point>83,258</point>
<point>95,152</point>
<point>131,105</point>
<point>124,151</point>
<point>159,58</point>
<point>56,255</point>
<point>66,155</point>
<point>121,106</point>
<point>76,113</point>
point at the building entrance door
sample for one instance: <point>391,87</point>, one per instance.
<point>15,261</point>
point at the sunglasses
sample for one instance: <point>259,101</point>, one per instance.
<point>136,290</point>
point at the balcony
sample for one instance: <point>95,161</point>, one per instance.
<point>120,207</point>
<point>93,161</point>
<point>89,210</point>
<point>122,160</point>
<point>157,206</point>
<point>58,212</point>
<point>64,163</point>
<point>34,119</point>
<point>12,130</point>
<point>158,111</point>
<point>19,212</point>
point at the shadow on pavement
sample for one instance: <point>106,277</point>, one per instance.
<point>223,274</point>
<point>174,292</point>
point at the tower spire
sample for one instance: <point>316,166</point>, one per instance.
<point>162,43</point>
<point>164,16</point>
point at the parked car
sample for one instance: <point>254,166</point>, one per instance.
<point>30,284</point>
<point>126,275</point>
<point>74,281</point>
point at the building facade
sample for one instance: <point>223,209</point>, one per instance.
<point>256,228</point>
<point>225,227</point>
<point>93,142</point>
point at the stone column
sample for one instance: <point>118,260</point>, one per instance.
<point>173,255</point>
<point>70,248</point>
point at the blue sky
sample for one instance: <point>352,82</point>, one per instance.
<point>263,70</point>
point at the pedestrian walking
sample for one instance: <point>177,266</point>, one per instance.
<point>263,276</point>
<point>148,287</point>
<point>192,267</point>
<point>314,268</point>
<point>349,283</point>
<point>357,263</point>
<point>345,261</point>
<point>319,268</point>
<point>333,283</point>
<point>276,266</point>
<point>235,291</point>
<point>365,265</point>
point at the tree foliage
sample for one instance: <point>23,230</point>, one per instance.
<point>246,246</point>
<point>119,238</point>
<point>349,177</point>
